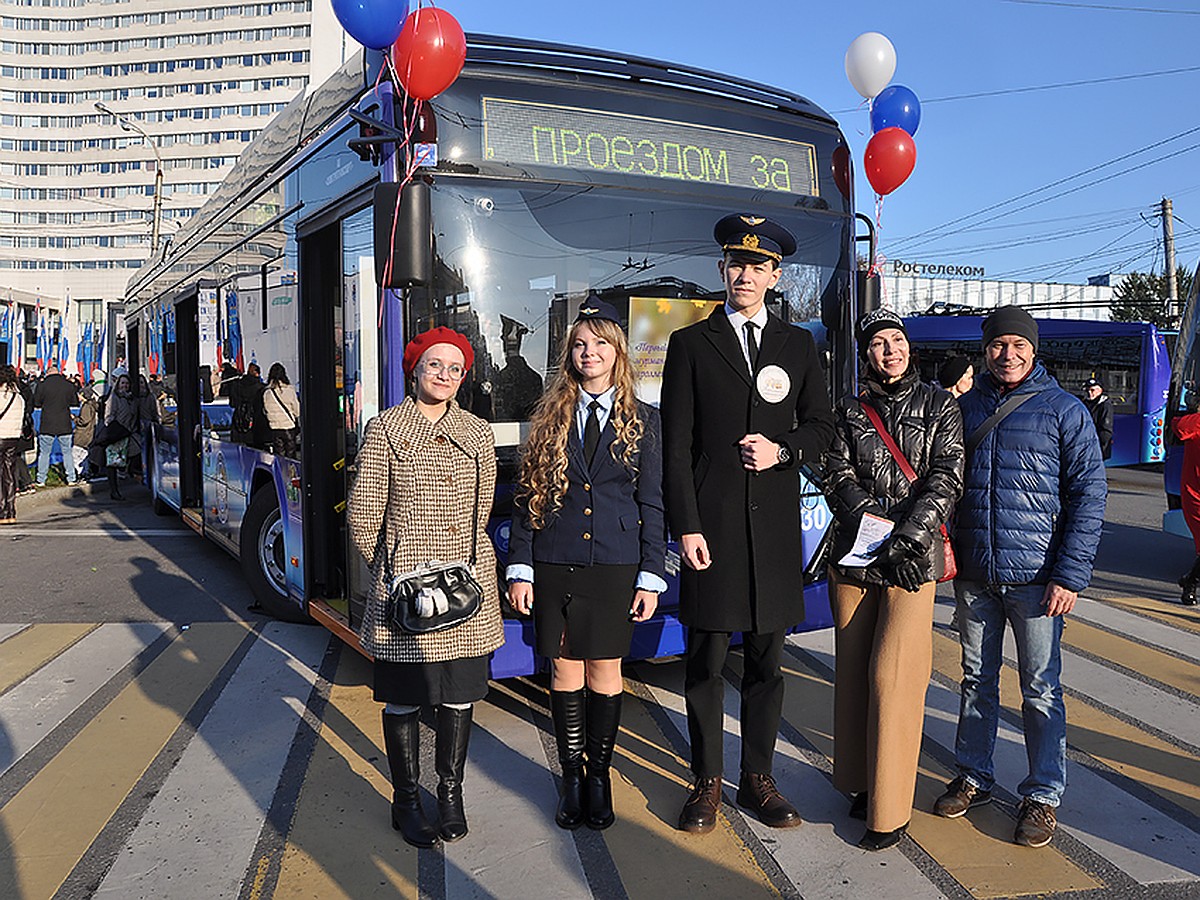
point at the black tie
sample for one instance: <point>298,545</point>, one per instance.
<point>591,432</point>
<point>751,346</point>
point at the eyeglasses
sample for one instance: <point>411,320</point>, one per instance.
<point>436,367</point>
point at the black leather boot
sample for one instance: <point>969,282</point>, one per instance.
<point>401,737</point>
<point>603,719</point>
<point>568,710</point>
<point>453,736</point>
<point>1190,582</point>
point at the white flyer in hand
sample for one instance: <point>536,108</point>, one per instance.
<point>872,532</point>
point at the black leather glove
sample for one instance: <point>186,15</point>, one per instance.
<point>902,563</point>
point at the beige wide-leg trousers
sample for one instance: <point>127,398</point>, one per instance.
<point>884,659</point>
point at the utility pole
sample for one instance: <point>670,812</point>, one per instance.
<point>1169,254</point>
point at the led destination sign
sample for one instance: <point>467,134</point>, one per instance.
<point>586,140</point>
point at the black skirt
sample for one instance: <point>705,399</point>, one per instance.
<point>432,683</point>
<point>582,612</point>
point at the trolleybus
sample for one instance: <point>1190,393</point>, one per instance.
<point>546,174</point>
<point>1129,359</point>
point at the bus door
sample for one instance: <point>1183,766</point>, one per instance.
<point>187,397</point>
<point>340,390</point>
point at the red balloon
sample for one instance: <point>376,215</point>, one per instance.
<point>889,159</point>
<point>429,53</point>
<point>841,168</point>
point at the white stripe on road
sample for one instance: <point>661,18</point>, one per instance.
<point>7,631</point>
<point>197,836</point>
<point>821,858</point>
<point>36,706</point>
<point>1146,844</point>
<point>1139,628</point>
<point>507,782</point>
<point>115,531</point>
<point>1138,701</point>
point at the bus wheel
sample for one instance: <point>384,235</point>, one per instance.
<point>264,558</point>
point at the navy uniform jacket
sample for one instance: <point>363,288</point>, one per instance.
<point>751,522</point>
<point>606,517</point>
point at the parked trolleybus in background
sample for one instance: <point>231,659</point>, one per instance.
<point>548,173</point>
<point>1129,358</point>
<point>1184,393</point>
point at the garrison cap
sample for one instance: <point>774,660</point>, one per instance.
<point>743,233</point>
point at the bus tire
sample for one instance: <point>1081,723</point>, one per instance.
<point>264,561</point>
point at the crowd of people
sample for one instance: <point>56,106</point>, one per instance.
<point>996,481</point>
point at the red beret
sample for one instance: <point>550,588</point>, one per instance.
<point>427,339</point>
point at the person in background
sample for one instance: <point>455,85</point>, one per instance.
<point>55,396</point>
<point>592,467</point>
<point>27,443</point>
<point>12,418</point>
<point>426,478</point>
<point>282,408</point>
<point>121,416</point>
<point>957,375</point>
<point>883,612</point>
<point>85,429</point>
<point>1187,429</point>
<point>1101,409</point>
<point>1026,534</point>
<point>744,402</point>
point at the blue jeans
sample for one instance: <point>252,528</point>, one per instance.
<point>45,445</point>
<point>983,611</point>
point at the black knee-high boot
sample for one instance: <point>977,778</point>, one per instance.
<point>568,710</point>
<point>453,736</point>
<point>401,736</point>
<point>603,719</point>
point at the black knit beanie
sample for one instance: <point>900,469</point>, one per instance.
<point>1010,320</point>
<point>874,321</point>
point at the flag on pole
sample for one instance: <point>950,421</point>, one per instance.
<point>102,347</point>
<point>16,347</point>
<point>89,349</point>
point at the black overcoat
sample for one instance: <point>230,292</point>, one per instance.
<point>751,521</point>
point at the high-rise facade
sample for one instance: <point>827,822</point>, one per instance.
<point>187,82</point>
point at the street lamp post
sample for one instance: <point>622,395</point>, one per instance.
<point>127,124</point>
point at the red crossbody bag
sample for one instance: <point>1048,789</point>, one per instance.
<point>951,565</point>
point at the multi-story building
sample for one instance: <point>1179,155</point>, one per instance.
<point>98,96</point>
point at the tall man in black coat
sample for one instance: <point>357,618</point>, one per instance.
<point>55,396</point>
<point>744,402</point>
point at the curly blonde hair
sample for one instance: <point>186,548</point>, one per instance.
<point>543,478</point>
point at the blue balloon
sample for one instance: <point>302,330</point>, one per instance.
<point>373,23</point>
<point>896,107</point>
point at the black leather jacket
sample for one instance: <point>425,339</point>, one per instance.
<point>862,476</point>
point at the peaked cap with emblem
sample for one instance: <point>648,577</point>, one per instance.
<point>742,233</point>
<point>594,308</point>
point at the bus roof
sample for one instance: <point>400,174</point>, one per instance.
<point>311,113</point>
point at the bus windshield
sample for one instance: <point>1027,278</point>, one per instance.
<point>513,262</point>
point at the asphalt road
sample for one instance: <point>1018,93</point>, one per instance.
<point>158,739</point>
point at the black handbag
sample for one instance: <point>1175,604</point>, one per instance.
<point>437,595</point>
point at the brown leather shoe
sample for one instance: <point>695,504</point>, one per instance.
<point>699,815</point>
<point>758,794</point>
<point>1035,825</point>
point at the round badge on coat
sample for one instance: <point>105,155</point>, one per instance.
<point>773,384</point>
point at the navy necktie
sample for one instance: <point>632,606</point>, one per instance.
<point>591,432</point>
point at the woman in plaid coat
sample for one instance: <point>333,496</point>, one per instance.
<point>427,472</point>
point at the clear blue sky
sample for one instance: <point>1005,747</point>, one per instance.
<point>972,153</point>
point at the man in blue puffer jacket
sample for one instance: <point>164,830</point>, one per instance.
<point>1028,527</point>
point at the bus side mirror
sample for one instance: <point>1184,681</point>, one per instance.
<point>403,235</point>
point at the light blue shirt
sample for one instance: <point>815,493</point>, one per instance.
<point>646,581</point>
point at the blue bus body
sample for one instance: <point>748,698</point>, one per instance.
<point>280,266</point>
<point>1129,358</point>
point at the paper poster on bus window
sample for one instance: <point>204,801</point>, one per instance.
<point>651,321</point>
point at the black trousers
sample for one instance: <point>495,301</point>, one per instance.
<point>10,458</point>
<point>762,699</point>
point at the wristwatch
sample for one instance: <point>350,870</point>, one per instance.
<point>785,455</point>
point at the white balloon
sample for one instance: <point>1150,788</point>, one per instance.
<point>870,63</point>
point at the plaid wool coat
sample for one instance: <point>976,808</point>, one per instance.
<point>412,501</point>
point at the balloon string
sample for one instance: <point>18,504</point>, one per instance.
<point>877,264</point>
